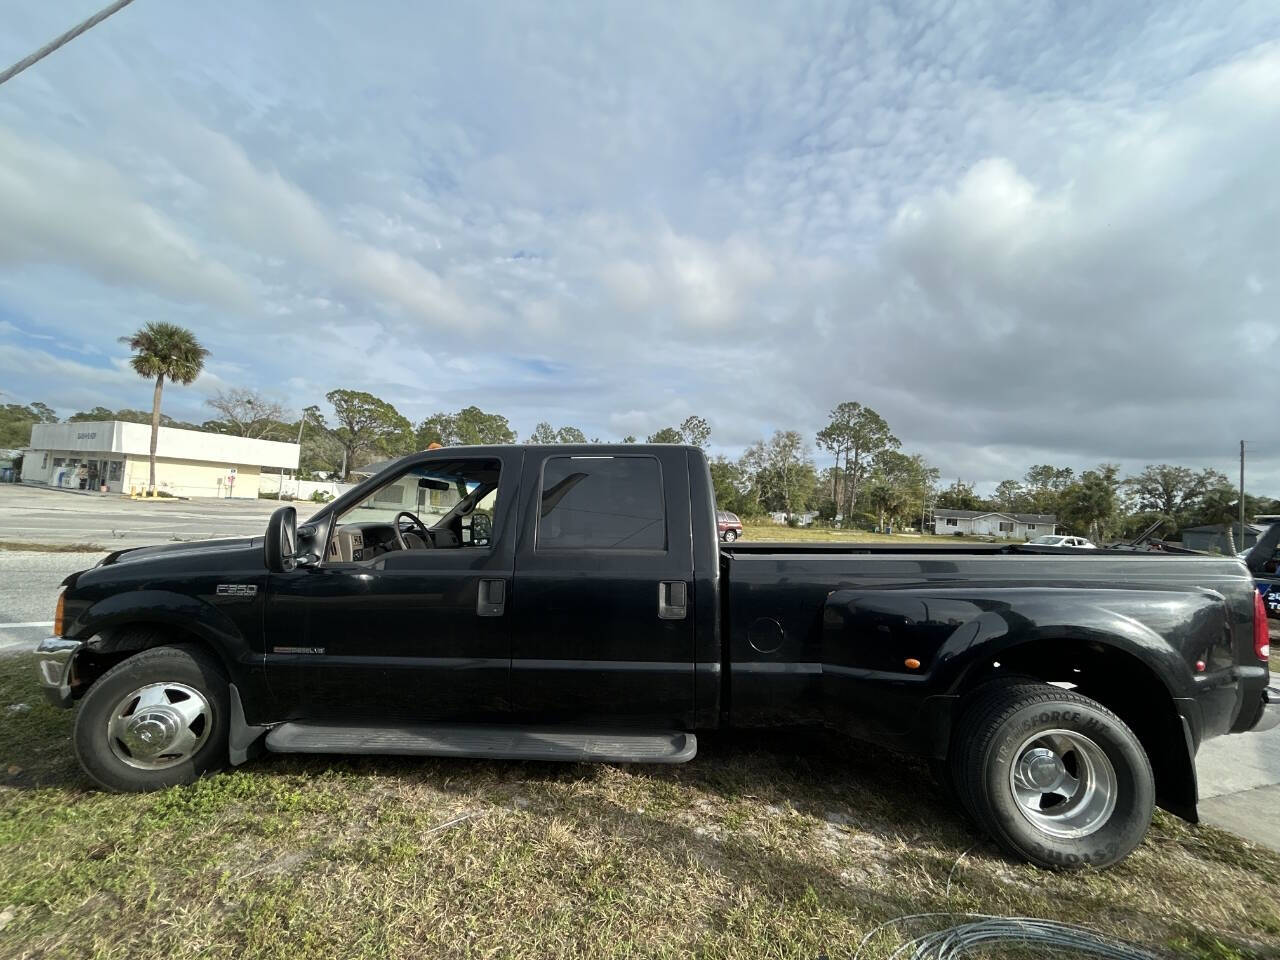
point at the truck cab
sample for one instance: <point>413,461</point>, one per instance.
<point>405,602</point>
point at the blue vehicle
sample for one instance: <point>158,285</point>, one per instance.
<point>1266,571</point>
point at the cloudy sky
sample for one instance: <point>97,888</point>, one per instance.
<point>1023,232</point>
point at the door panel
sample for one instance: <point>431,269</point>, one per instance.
<point>411,635</point>
<point>589,641</point>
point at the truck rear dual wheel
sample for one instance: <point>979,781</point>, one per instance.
<point>157,719</point>
<point>1054,777</point>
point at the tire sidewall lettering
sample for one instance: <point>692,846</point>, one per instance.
<point>1081,721</point>
<point>1101,854</point>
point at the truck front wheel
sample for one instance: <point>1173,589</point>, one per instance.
<point>157,719</point>
<point>1055,777</point>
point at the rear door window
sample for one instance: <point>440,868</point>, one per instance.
<point>601,503</point>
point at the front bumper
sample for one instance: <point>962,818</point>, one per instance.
<point>1270,710</point>
<point>54,657</point>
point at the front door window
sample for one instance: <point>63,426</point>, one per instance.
<point>454,500</point>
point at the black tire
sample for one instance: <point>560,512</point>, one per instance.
<point>1009,727</point>
<point>184,666</point>
<point>730,536</point>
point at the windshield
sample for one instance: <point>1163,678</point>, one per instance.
<point>1048,541</point>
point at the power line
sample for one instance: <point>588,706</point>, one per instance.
<point>67,37</point>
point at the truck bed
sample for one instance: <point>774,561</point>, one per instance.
<point>825,633</point>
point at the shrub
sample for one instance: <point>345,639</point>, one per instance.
<point>321,496</point>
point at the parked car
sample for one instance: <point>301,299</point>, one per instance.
<point>573,603</point>
<point>1060,540</point>
<point>729,526</point>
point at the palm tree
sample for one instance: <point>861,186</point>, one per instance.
<point>164,350</point>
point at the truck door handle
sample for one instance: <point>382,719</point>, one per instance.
<point>491,598</point>
<point>673,600</point>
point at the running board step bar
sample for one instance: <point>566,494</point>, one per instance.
<point>490,742</point>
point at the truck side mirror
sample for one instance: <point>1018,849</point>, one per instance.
<point>281,546</point>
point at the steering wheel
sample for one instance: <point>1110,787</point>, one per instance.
<point>414,522</point>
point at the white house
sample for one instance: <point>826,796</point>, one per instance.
<point>988,523</point>
<point>189,463</point>
<point>803,519</point>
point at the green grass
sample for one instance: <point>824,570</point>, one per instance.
<point>753,850</point>
<point>51,547</point>
<point>780,531</point>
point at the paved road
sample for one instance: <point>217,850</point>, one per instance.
<point>1239,775</point>
<point>37,515</point>
<point>1240,782</point>
<point>30,588</point>
<point>29,581</point>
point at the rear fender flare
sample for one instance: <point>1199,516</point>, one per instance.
<point>997,633</point>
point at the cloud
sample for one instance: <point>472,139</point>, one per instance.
<point>69,383</point>
<point>61,207</point>
<point>1046,239</point>
<point>702,285</point>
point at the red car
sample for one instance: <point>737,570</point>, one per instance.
<point>729,525</point>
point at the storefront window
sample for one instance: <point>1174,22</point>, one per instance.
<point>113,470</point>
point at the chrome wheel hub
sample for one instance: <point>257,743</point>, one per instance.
<point>1063,783</point>
<point>1041,769</point>
<point>159,725</point>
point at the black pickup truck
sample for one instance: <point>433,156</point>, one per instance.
<point>574,603</point>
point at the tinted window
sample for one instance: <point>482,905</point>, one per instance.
<point>601,503</point>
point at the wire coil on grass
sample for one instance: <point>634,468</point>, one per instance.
<point>981,931</point>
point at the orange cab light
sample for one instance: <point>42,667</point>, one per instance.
<point>912,663</point>
<point>57,613</point>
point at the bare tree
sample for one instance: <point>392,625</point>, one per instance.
<point>247,413</point>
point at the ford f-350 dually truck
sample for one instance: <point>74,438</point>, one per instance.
<point>575,603</point>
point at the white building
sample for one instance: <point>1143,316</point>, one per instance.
<point>987,523</point>
<point>802,519</point>
<point>189,463</point>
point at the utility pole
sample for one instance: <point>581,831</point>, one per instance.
<point>297,479</point>
<point>1241,494</point>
